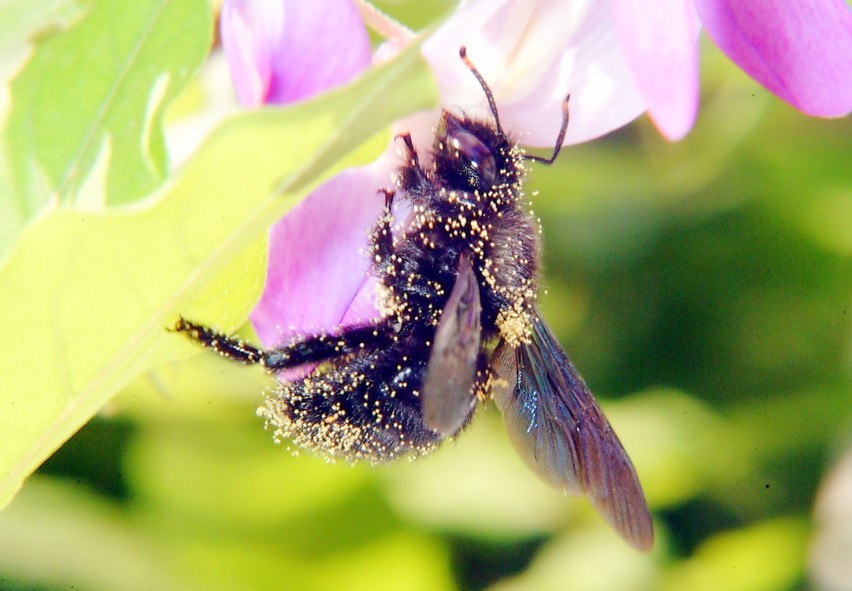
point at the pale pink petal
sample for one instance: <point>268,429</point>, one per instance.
<point>800,50</point>
<point>280,51</point>
<point>660,42</point>
<point>249,32</point>
<point>532,54</point>
<point>318,266</point>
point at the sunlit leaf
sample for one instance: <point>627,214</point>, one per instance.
<point>87,296</point>
<point>24,21</point>
<point>83,128</point>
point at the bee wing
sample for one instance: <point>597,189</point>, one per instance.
<point>561,433</point>
<point>447,398</point>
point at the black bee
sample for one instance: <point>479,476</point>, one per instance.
<point>458,324</point>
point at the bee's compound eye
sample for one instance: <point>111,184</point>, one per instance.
<point>476,153</point>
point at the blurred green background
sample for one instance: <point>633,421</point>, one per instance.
<point>703,289</point>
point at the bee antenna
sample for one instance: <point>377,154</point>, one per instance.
<point>492,104</point>
<point>559,139</point>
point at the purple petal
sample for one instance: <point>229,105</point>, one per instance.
<point>660,42</point>
<point>532,54</point>
<point>317,277</point>
<point>281,51</point>
<point>801,51</point>
<point>249,30</point>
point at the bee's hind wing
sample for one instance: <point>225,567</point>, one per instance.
<point>561,433</point>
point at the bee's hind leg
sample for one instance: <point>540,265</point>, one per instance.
<point>228,347</point>
<point>324,347</point>
<point>310,349</point>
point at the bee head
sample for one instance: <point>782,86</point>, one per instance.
<point>470,153</point>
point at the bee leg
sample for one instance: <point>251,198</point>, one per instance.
<point>323,347</point>
<point>381,237</point>
<point>412,177</point>
<point>311,349</point>
<point>389,194</point>
<point>412,159</point>
<point>228,347</point>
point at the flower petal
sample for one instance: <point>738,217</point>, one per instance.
<point>801,51</point>
<point>660,42</point>
<point>249,30</point>
<point>318,269</point>
<point>284,50</point>
<point>532,54</point>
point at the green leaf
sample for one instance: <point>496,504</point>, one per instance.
<point>86,296</point>
<point>20,21</point>
<point>84,126</point>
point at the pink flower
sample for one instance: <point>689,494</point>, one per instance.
<point>282,51</point>
<point>801,51</point>
<point>532,54</point>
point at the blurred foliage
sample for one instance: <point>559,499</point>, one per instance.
<point>89,284</point>
<point>703,288</point>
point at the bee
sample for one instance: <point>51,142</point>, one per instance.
<point>458,325</point>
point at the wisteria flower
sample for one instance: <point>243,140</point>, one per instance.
<point>616,58</point>
<point>800,51</point>
<point>283,51</point>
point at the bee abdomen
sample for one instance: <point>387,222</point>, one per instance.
<point>367,409</point>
